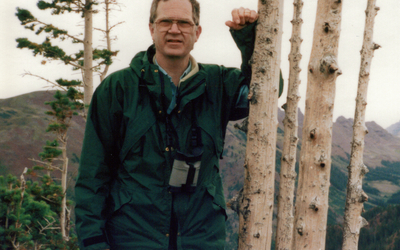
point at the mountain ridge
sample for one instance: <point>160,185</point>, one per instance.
<point>394,129</point>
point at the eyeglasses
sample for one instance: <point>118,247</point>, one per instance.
<point>166,24</point>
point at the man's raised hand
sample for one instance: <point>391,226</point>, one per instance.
<point>241,18</point>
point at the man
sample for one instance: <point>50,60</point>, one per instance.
<point>149,172</point>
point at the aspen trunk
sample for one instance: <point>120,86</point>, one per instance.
<point>311,210</point>
<point>256,204</point>
<point>284,232</point>
<point>356,197</point>
<point>88,53</point>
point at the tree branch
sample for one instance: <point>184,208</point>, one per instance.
<point>54,85</point>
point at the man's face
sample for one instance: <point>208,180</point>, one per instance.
<point>173,43</point>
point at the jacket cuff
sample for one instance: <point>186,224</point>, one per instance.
<point>95,243</point>
<point>244,40</point>
<point>245,36</point>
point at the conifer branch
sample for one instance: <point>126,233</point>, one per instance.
<point>53,84</point>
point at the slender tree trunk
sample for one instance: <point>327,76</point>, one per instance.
<point>107,34</point>
<point>88,53</point>
<point>356,197</point>
<point>18,210</point>
<point>284,232</point>
<point>64,173</point>
<point>256,204</point>
<point>311,210</point>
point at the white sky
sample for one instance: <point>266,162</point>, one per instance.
<point>216,46</point>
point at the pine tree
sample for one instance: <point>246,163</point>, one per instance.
<point>29,214</point>
<point>54,155</point>
<point>80,60</point>
<point>74,95</point>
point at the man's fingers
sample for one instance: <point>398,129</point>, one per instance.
<point>253,16</point>
<point>242,15</point>
<point>230,24</point>
<point>235,16</point>
<point>234,25</point>
<point>247,15</point>
<point>250,16</point>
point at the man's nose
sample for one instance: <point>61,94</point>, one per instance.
<point>174,28</point>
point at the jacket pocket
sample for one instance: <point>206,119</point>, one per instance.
<point>134,136</point>
<point>119,196</point>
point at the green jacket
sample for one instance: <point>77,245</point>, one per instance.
<point>122,195</point>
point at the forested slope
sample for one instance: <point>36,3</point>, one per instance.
<point>383,231</point>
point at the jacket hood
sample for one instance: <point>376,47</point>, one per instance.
<point>143,59</point>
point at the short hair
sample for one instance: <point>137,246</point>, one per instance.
<point>195,10</point>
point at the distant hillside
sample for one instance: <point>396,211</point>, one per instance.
<point>381,149</point>
<point>22,136</point>
<point>379,144</point>
<point>383,231</point>
<point>394,129</point>
<point>381,155</point>
<point>23,123</point>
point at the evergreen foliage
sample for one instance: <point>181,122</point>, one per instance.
<point>382,232</point>
<point>67,102</point>
<point>394,199</point>
<point>338,177</point>
<point>50,151</point>
<point>29,215</point>
<point>384,229</point>
<point>63,108</point>
<point>25,16</point>
<point>391,172</point>
<point>51,52</point>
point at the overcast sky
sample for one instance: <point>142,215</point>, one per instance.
<point>216,46</point>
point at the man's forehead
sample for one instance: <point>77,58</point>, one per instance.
<point>174,7</point>
<point>177,9</point>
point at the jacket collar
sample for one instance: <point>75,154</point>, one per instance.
<point>144,60</point>
<point>191,86</point>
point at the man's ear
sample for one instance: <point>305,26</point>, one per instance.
<point>151,28</point>
<point>198,32</point>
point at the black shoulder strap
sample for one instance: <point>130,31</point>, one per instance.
<point>196,140</point>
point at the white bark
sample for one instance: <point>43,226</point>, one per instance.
<point>88,54</point>
<point>107,36</point>
<point>311,210</point>
<point>285,217</point>
<point>256,203</point>
<point>356,197</point>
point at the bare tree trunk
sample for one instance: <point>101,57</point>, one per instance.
<point>64,172</point>
<point>311,210</point>
<point>88,53</point>
<point>256,204</point>
<point>16,244</point>
<point>356,197</point>
<point>284,232</point>
<point>107,34</point>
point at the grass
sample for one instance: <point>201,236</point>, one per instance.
<point>385,187</point>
